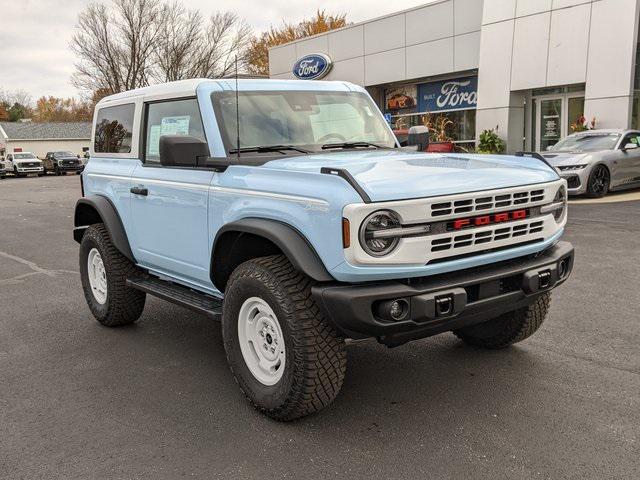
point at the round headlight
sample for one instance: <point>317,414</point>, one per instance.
<point>377,237</point>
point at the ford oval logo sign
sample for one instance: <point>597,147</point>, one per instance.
<point>312,67</point>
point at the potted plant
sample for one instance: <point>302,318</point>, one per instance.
<point>581,124</point>
<point>490,143</point>
<point>440,140</point>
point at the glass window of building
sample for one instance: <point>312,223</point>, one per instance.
<point>446,107</point>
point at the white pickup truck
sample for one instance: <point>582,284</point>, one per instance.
<point>23,164</point>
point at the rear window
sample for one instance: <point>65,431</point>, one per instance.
<point>114,127</point>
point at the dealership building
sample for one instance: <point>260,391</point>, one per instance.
<point>531,68</point>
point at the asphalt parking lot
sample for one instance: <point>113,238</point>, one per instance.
<point>156,400</point>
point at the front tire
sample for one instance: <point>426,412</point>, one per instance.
<point>103,272</point>
<point>599,182</point>
<point>286,358</point>
<point>509,328</point>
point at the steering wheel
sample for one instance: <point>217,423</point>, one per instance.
<point>329,136</point>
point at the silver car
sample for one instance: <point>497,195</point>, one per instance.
<point>598,161</point>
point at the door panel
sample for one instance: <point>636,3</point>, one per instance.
<point>170,222</point>
<point>630,162</point>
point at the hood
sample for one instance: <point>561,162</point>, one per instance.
<point>398,175</point>
<point>67,157</point>
<point>559,159</point>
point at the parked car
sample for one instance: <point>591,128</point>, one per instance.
<point>23,164</point>
<point>62,162</point>
<point>299,230</point>
<point>598,161</point>
<point>3,170</point>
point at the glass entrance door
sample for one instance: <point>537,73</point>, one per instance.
<point>553,116</point>
<point>549,123</point>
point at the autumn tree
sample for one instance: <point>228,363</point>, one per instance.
<point>258,54</point>
<point>15,106</point>
<point>132,43</point>
<point>54,109</point>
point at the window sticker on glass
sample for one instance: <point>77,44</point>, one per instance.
<point>175,125</point>
<point>154,140</point>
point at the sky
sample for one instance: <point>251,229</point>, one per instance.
<point>35,34</point>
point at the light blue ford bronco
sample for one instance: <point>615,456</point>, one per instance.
<point>287,210</point>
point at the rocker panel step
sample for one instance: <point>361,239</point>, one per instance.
<point>183,296</point>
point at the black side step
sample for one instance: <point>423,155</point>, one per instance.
<point>183,296</point>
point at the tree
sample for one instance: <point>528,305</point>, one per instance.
<point>53,109</point>
<point>14,106</point>
<point>131,43</point>
<point>258,54</point>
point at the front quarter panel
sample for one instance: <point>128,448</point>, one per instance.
<point>309,202</point>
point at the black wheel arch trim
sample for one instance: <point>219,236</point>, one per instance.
<point>110,218</point>
<point>293,244</point>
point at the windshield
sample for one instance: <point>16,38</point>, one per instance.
<point>308,120</point>
<point>591,142</point>
<point>64,154</point>
<point>24,156</point>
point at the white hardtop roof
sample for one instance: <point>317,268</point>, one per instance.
<point>185,88</point>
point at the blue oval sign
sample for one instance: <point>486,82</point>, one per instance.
<point>312,67</point>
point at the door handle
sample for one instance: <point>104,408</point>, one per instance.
<point>139,191</point>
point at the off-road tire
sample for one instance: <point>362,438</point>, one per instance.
<point>316,358</point>
<point>124,305</point>
<point>509,328</point>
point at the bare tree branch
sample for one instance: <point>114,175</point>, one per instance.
<point>134,42</point>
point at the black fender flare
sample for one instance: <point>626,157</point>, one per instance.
<point>85,215</point>
<point>289,240</point>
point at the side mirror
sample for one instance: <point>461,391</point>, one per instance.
<point>419,137</point>
<point>181,150</point>
<point>630,146</point>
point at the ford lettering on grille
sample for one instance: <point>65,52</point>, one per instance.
<point>481,221</point>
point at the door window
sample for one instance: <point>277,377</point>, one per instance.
<point>630,138</point>
<point>114,127</point>
<point>176,117</point>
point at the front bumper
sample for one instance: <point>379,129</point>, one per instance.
<point>71,168</point>
<point>472,296</point>
<point>30,170</point>
<point>576,180</point>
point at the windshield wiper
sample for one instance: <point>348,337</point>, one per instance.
<point>328,146</point>
<point>269,148</point>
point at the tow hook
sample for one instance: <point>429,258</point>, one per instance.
<point>431,306</point>
<point>444,305</point>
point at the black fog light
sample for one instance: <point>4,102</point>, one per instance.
<point>395,310</point>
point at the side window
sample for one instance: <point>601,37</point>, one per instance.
<point>114,127</point>
<point>176,117</point>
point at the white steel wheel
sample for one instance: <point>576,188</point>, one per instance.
<point>97,276</point>
<point>261,341</point>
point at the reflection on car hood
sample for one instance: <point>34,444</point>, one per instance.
<point>566,158</point>
<point>397,175</point>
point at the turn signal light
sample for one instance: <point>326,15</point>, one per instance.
<point>346,233</point>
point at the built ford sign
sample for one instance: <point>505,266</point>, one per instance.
<point>312,67</point>
<point>456,94</point>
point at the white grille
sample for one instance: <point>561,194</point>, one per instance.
<point>481,204</point>
<point>461,240</point>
